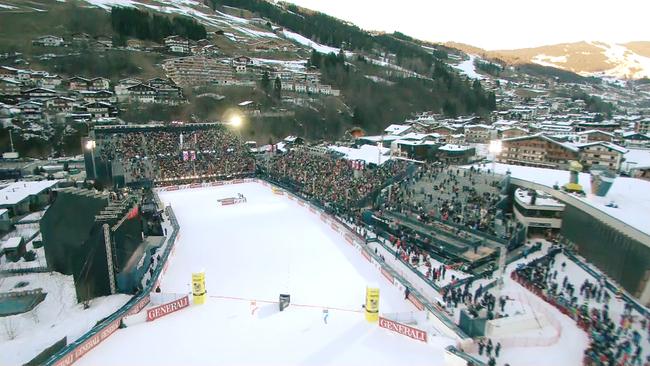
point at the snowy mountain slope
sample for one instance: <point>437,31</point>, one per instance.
<point>594,58</point>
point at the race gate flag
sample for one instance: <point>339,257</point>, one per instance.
<point>396,327</point>
<point>168,308</point>
<point>372,304</point>
<point>198,288</point>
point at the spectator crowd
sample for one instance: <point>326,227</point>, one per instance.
<point>616,330</point>
<point>331,180</point>
<point>172,154</point>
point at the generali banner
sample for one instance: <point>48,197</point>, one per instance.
<point>168,308</point>
<point>396,327</point>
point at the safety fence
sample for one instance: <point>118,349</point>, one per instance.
<point>105,328</point>
<point>350,235</point>
<point>608,283</point>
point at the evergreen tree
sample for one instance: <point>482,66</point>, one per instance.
<point>277,88</point>
<point>265,82</point>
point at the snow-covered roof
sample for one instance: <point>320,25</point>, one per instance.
<point>542,199</point>
<point>379,138</point>
<point>454,147</point>
<point>542,136</point>
<point>588,132</point>
<point>18,191</point>
<point>12,243</point>
<point>630,194</point>
<point>606,144</point>
<point>368,153</point>
<point>3,211</point>
<point>396,129</point>
<point>637,158</point>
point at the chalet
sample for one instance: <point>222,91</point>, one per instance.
<point>81,38</point>
<point>602,154</point>
<point>242,60</point>
<point>60,104</point>
<point>171,95</point>
<point>39,94</point>
<point>160,83</point>
<point>100,109</point>
<point>594,136</point>
<point>48,41</point>
<point>177,44</point>
<point>78,83</point>
<point>142,93</point>
<point>607,126</point>
<point>31,110</point>
<point>99,83</point>
<point>511,132</point>
<point>50,81</point>
<point>635,139</point>
<point>537,150</point>
<point>91,96</point>
<point>444,130</point>
<point>9,87</point>
<point>8,72</point>
<point>398,130</point>
<point>479,133</point>
<point>121,89</point>
<point>642,126</point>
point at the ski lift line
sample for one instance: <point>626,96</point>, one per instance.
<point>292,304</point>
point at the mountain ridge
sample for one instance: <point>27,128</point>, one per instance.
<point>629,60</point>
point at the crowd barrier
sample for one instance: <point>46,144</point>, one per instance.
<point>105,328</point>
<point>442,321</point>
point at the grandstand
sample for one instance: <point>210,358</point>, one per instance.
<point>156,154</point>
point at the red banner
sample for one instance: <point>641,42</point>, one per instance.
<point>172,188</point>
<point>349,238</point>
<point>89,344</point>
<point>218,183</point>
<point>416,302</point>
<point>365,254</point>
<point>396,327</point>
<point>196,185</point>
<point>388,276</point>
<point>166,309</point>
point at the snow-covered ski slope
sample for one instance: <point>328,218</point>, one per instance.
<point>257,250</point>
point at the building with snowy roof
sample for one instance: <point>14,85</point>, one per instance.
<point>19,197</point>
<point>609,227</point>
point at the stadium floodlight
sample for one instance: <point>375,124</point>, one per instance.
<point>495,147</point>
<point>90,145</point>
<point>236,121</point>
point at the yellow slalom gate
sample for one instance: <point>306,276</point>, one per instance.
<point>372,304</point>
<point>198,288</point>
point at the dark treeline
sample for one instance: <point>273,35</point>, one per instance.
<point>128,22</point>
<point>334,32</point>
<point>488,67</point>
<point>375,104</point>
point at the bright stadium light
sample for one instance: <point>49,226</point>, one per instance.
<point>90,145</point>
<point>236,121</point>
<point>495,147</point>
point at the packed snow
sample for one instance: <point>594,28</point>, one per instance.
<point>24,336</point>
<point>309,43</point>
<point>255,251</point>
<point>468,68</point>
